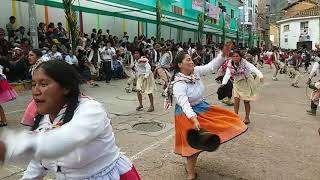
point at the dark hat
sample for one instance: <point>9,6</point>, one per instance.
<point>203,140</point>
<point>222,92</point>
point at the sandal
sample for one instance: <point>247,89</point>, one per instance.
<point>139,108</point>
<point>195,174</point>
<point>3,124</point>
<point>246,121</point>
<point>151,109</point>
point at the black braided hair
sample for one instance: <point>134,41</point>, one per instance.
<point>178,59</point>
<point>241,56</point>
<point>67,77</point>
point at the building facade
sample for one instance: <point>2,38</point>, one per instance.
<point>248,18</point>
<point>300,25</point>
<point>179,20</point>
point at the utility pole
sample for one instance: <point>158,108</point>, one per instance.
<point>33,24</point>
<point>243,23</point>
<point>267,28</point>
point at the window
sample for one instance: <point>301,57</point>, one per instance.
<point>285,40</point>
<point>304,26</point>
<point>250,3</point>
<point>232,13</point>
<point>286,28</point>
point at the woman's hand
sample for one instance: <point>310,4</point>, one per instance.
<point>196,123</point>
<point>2,152</point>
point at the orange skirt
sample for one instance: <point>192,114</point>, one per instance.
<point>226,124</point>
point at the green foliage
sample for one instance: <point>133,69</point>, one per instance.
<point>71,17</point>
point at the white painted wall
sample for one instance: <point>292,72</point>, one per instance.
<point>294,32</point>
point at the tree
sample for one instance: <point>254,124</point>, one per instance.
<point>159,17</point>
<point>72,21</point>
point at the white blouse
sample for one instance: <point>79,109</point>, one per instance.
<point>249,66</point>
<point>315,70</point>
<point>190,94</point>
<point>143,69</point>
<point>71,59</point>
<point>81,147</point>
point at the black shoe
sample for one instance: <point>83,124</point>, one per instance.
<point>108,82</point>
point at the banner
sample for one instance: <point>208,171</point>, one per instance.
<point>197,5</point>
<point>213,11</point>
<point>227,21</point>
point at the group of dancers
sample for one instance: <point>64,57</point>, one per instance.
<point>82,143</point>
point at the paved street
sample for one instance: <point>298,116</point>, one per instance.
<point>281,142</point>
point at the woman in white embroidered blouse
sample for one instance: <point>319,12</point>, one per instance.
<point>193,112</point>
<point>71,136</point>
<point>244,86</point>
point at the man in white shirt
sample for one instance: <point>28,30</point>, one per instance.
<point>106,54</point>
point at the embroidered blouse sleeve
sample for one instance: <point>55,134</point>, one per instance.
<point>180,93</point>
<point>254,69</point>
<point>315,70</point>
<point>148,70</point>
<point>213,65</point>
<point>226,76</point>
<point>90,119</point>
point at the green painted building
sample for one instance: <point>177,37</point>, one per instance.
<point>136,17</point>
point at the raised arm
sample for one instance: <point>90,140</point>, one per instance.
<point>254,69</point>
<point>226,77</point>
<point>213,65</point>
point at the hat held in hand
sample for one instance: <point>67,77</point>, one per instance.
<point>203,140</point>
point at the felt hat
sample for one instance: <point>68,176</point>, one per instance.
<point>222,92</point>
<point>203,140</point>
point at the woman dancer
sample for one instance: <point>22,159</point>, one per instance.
<point>6,94</point>
<point>192,112</point>
<point>55,142</point>
<point>244,86</point>
<point>145,80</point>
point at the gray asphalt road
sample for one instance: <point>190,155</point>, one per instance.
<point>281,142</point>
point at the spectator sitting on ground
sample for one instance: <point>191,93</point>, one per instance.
<point>61,32</point>
<point>54,54</point>
<point>19,66</point>
<point>21,34</point>
<point>117,70</point>
<point>25,46</point>
<point>71,59</point>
